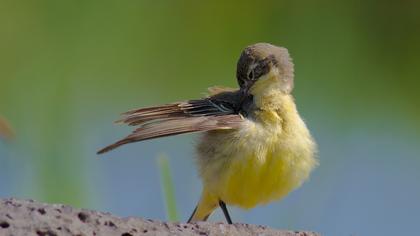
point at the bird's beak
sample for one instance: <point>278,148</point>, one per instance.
<point>248,85</point>
<point>246,88</point>
<point>246,91</point>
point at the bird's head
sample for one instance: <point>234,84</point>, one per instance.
<point>264,66</point>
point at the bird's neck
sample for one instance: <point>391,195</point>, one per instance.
<point>268,94</point>
<point>274,106</point>
<point>271,99</point>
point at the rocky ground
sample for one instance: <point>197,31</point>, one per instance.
<point>27,217</point>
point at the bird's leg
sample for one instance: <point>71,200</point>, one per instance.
<point>225,211</point>
<point>190,219</point>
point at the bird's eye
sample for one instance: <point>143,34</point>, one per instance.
<point>251,74</point>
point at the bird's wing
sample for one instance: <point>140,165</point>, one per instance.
<point>217,112</point>
<point>220,89</point>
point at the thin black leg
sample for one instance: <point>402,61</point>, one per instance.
<point>192,215</point>
<point>225,211</point>
<point>189,220</point>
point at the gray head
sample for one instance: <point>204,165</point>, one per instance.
<point>261,59</point>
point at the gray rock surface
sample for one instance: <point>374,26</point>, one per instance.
<point>27,217</point>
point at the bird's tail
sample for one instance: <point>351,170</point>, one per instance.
<point>204,208</point>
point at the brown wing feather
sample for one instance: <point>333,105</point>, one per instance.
<point>177,126</point>
<point>219,89</point>
<point>138,116</point>
<point>219,111</point>
<point>222,103</point>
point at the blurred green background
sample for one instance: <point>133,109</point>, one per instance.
<point>68,68</point>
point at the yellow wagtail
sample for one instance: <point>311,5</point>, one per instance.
<point>255,147</point>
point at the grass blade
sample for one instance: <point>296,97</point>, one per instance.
<point>167,188</point>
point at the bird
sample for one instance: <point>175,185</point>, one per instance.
<point>254,146</point>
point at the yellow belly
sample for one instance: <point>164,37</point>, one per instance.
<point>251,181</point>
<point>256,164</point>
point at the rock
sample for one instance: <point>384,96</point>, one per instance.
<point>27,217</point>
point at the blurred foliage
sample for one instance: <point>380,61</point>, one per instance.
<point>6,131</point>
<point>67,67</point>
<point>168,188</point>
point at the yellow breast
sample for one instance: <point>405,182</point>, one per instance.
<point>262,161</point>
